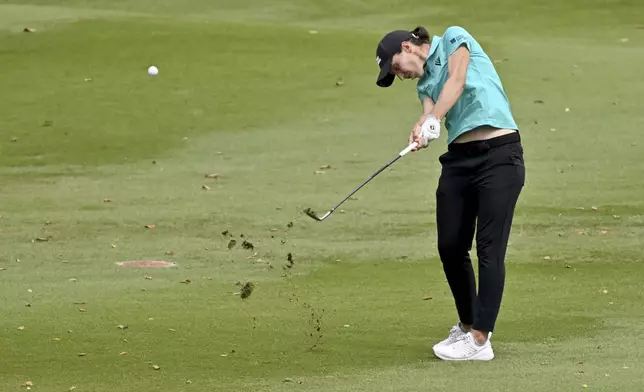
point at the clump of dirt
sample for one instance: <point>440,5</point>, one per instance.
<point>247,245</point>
<point>232,243</point>
<point>246,290</point>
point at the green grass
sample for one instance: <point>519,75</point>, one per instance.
<point>246,91</point>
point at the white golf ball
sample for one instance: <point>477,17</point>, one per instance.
<point>153,71</point>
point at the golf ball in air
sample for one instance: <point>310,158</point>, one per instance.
<point>153,71</point>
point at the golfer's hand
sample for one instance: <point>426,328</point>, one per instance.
<point>414,136</point>
<point>424,131</point>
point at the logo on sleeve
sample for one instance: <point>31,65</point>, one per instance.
<point>457,38</point>
<point>438,62</point>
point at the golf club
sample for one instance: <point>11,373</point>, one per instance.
<point>401,154</point>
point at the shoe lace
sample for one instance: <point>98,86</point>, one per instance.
<point>456,334</point>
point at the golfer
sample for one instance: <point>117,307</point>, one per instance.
<point>482,173</point>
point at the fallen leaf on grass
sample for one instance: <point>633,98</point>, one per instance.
<point>29,30</point>
<point>205,187</point>
<point>42,239</point>
<point>339,83</point>
<point>324,167</point>
<point>151,226</point>
<point>594,208</point>
<point>425,298</point>
<point>82,310</point>
<point>81,354</point>
<point>27,384</point>
<point>546,257</point>
<point>318,172</point>
<point>172,330</point>
<point>186,281</point>
<point>107,200</point>
<point>73,280</point>
<point>170,252</point>
<point>123,353</point>
<point>21,328</point>
<point>156,367</point>
<point>72,388</point>
<point>213,175</point>
<point>122,326</point>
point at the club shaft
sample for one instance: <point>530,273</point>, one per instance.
<point>367,180</point>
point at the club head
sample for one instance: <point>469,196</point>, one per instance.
<point>312,214</point>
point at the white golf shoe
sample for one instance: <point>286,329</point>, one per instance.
<point>455,334</point>
<point>465,349</point>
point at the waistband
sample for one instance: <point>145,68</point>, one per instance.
<point>479,146</point>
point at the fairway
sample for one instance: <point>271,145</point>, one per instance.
<point>260,110</point>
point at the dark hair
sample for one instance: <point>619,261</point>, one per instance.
<point>419,36</point>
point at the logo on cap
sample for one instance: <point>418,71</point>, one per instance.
<point>378,60</point>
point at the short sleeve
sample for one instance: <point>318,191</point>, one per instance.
<point>455,37</point>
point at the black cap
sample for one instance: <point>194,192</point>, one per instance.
<point>389,45</point>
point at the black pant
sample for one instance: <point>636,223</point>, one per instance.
<point>480,183</point>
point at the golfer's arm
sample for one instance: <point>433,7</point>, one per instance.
<point>453,88</point>
<point>428,107</point>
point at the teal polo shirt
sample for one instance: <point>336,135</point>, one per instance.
<point>483,101</point>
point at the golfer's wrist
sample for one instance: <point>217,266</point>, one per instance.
<point>425,116</point>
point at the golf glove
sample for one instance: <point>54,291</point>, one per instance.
<point>430,130</point>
